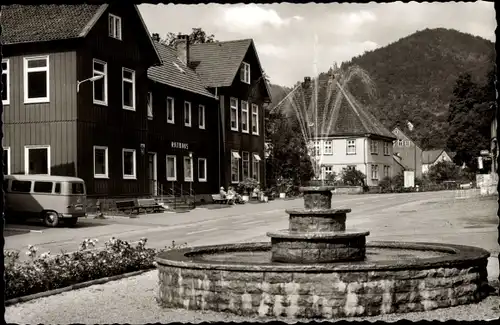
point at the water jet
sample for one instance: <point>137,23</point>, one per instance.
<point>319,268</point>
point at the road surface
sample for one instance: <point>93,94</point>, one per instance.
<point>457,217</point>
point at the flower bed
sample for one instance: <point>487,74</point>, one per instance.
<point>46,272</point>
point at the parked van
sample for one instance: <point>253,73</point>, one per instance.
<point>50,199</point>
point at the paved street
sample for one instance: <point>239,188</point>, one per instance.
<point>458,217</point>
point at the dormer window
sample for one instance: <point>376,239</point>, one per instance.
<point>115,27</point>
<point>245,73</point>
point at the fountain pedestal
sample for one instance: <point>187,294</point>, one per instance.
<point>317,233</point>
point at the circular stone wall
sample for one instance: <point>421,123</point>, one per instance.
<point>457,277</point>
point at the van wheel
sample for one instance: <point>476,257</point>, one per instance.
<point>51,219</point>
<point>71,222</point>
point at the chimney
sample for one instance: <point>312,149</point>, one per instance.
<point>156,37</point>
<point>307,82</point>
<point>182,47</point>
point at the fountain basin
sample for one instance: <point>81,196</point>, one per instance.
<point>317,197</point>
<point>318,220</point>
<point>317,247</point>
<point>395,277</point>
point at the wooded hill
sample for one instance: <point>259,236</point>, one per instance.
<point>414,79</point>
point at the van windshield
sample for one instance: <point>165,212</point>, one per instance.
<point>77,188</point>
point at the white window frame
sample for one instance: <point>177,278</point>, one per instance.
<point>129,108</point>
<point>255,113</point>
<point>174,178</point>
<point>387,171</point>
<point>374,172</point>
<point>350,143</point>
<point>205,169</point>
<point>6,72</point>
<point>113,32</point>
<point>134,166</point>
<point>238,165</point>
<point>327,172</point>
<point>26,72</point>
<point>201,117</point>
<point>106,162</point>
<point>245,73</point>
<point>386,148</point>
<point>317,148</point>
<point>235,109</point>
<point>190,159</point>
<point>255,163</point>
<point>243,160</point>
<point>150,105</point>
<point>245,116</point>
<point>26,157</point>
<point>8,159</point>
<point>105,79</point>
<point>171,121</point>
<point>328,147</point>
<point>374,147</point>
<point>187,104</point>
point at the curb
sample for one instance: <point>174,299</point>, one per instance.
<point>73,287</point>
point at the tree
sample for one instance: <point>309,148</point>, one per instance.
<point>352,177</point>
<point>197,36</point>
<point>287,156</point>
<point>469,119</point>
<point>444,171</point>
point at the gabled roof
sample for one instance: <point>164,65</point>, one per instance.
<point>218,63</point>
<point>430,156</point>
<point>42,23</point>
<point>175,73</point>
<point>346,118</point>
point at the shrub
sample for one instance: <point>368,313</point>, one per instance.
<point>48,272</point>
<point>247,186</point>
<point>352,177</point>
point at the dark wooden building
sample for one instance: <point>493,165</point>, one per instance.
<point>182,128</point>
<point>59,121</point>
<point>231,71</point>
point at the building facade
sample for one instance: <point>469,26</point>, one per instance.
<point>432,157</point>
<point>409,152</point>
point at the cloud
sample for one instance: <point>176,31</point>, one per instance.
<point>244,18</point>
<point>358,18</point>
<point>348,50</point>
<point>272,51</point>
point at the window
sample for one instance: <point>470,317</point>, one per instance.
<point>77,188</point>
<point>128,87</point>
<point>171,168</point>
<point>201,117</point>
<point>245,118</point>
<point>400,143</point>
<point>187,114</point>
<point>327,170</point>
<point>317,148</point>
<point>36,79</point>
<point>57,188</point>
<point>245,164</point>
<point>351,167</point>
<point>245,72</point>
<point>188,169</point>
<point>235,166</point>
<point>234,114</point>
<point>328,147</point>
<point>5,82</point>
<point>256,167</point>
<point>407,143</point>
<point>387,171</point>
<point>6,160</point>
<point>150,105</point>
<point>170,110</point>
<point>351,147</point>
<point>129,167</point>
<point>374,171</point>
<point>100,85</point>
<point>37,160</point>
<point>255,119</point>
<point>42,187</point>
<point>115,27</point>
<point>202,169</point>
<point>374,147</point>
<point>386,148</point>
<point>20,186</point>
<point>100,162</point>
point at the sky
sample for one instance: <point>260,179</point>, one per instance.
<point>298,40</point>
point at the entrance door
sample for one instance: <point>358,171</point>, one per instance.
<point>153,184</point>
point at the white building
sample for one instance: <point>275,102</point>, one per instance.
<point>432,157</point>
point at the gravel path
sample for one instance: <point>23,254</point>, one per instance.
<point>132,300</point>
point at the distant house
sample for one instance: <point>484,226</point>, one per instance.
<point>346,135</point>
<point>398,167</point>
<point>409,152</point>
<point>432,157</point>
<point>232,72</point>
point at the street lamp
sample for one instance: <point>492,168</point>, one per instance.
<point>92,79</point>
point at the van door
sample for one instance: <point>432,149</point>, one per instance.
<point>77,197</point>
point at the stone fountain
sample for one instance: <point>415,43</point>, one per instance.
<point>319,269</point>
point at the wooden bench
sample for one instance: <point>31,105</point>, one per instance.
<point>217,198</point>
<point>129,206</point>
<point>150,205</point>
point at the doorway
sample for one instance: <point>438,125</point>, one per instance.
<point>153,181</point>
